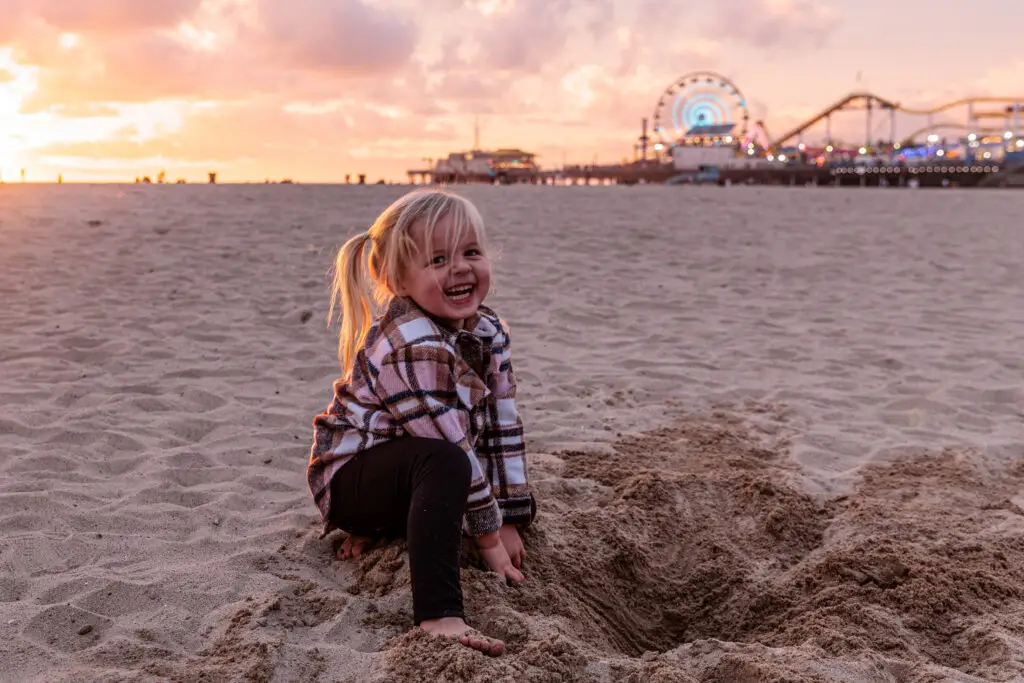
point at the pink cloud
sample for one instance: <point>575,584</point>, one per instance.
<point>21,18</point>
<point>793,24</point>
<point>344,36</point>
<point>538,33</point>
<point>112,15</point>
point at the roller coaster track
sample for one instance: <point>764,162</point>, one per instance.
<point>872,101</point>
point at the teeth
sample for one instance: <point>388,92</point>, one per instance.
<point>456,292</point>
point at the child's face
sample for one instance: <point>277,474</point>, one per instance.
<point>446,279</point>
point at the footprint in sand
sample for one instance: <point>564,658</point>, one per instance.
<point>67,628</point>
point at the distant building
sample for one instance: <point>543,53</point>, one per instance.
<point>482,166</point>
<point>707,146</point>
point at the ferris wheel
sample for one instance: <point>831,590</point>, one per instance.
<point>701,104</point>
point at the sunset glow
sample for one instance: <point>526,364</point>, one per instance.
<point>316,89</point>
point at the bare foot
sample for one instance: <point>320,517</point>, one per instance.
<point>457,629</point>
<point>353,546</point>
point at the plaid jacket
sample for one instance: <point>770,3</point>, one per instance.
<point>415,377</point>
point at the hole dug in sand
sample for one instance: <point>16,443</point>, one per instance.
<point>686,550</point>
<point>706,564</point>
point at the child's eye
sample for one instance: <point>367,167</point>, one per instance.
<point>438,260</point>
<point>473,252</point>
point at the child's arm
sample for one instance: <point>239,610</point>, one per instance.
<point>502,443</point>
<point>418,385</point>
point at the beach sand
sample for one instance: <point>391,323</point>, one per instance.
<point>775,435</point>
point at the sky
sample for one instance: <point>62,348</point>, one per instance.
<point>312,90</point>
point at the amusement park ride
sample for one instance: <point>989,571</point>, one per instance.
<point>701,108</point>
<point>702,129</point>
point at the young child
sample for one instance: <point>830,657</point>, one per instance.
<point>423,438</point>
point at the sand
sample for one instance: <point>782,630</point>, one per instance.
<point>775,434</point>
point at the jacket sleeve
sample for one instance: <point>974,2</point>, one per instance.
<point>430,395</point>
<point>502,445</point>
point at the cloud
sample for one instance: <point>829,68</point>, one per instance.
<point>113,15</point>
<point>24,18</point>
<point>137,68</point>
<point>520,36</point>
<point>342,36</point>
<point>304,48</point>
<point>532,34</point>
<point>788,24</point>
<point>233,133</point>
<point>83,110</point>
<point>465,87</point>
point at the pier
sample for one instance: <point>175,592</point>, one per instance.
<point>701,133</point>
<point>936,175</point>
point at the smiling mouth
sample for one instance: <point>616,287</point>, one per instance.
<point>459,294</point>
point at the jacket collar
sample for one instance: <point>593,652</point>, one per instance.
<point>480,325</point>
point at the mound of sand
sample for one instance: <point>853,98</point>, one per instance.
<point>687,555</point>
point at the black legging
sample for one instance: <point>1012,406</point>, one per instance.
<point>417,488</point>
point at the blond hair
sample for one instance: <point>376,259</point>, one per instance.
<point>365,284</point>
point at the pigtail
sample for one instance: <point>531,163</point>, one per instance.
<point>350,289</point>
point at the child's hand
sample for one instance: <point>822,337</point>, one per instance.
<point>494,555</point>
<point>513,544</point>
